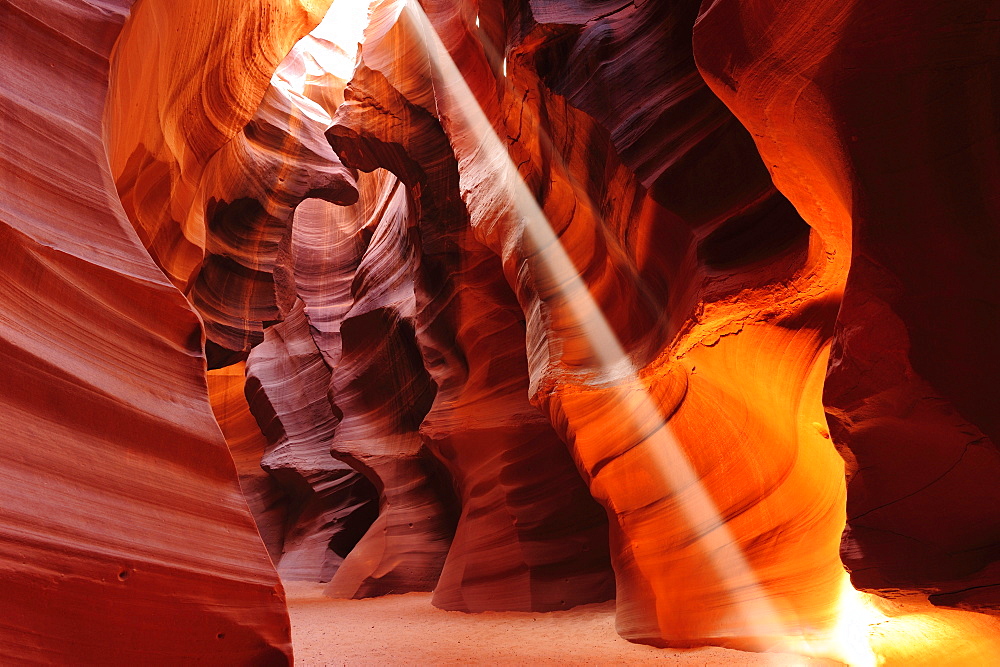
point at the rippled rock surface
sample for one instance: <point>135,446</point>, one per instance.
<point>909,392</point>
<point>124,536</point>
<point>685,304</point>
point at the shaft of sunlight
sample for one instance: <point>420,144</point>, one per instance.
<point>757,615</point>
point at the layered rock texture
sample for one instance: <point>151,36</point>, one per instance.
<point>909,390</point>
<point>124,536</point>
<point>529,304</point>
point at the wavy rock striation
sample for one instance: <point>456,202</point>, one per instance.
<point>383,391</point>
<point>222,230</point>
<point>124,537</point>
<point>529,536</point>
<point>547,305</point>
<point>247,445</point>
<point>185,82</point>
<point>909,391</point>
<point>673,313</point>
<point>250,189</point>
<point>331,505</point>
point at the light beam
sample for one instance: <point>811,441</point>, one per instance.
<point>755,613</point>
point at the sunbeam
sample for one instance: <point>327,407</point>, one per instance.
<point>754,613</point>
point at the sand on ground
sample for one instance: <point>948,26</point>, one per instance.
<point>408,630</point>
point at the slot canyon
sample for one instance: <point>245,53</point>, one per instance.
<point>499,332</point>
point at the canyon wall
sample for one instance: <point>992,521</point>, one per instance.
<point>882,127</point>
<point>528,304</point>
<point>675,340</point>
<point>124,536</point>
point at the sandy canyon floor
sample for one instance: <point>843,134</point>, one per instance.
<point>408,630</point>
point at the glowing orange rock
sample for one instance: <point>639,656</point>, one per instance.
<point>184,83</point>
<point>870,125</point>
<point>577,276</point>
<point>668,376</point>
<point>268,504</point>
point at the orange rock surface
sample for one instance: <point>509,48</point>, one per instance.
<point>687,305</point>
<point>910,389</point>
<point>664,400</point>
<point>247,445</point>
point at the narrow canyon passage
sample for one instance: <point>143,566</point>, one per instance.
<point>500,332</point>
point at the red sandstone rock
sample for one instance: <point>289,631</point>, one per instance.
<point>185,81</point>
<point>124,537</point>
<point>873,120</point>
<point>250,189</point>
<point>529,537</point>
<point>627,250</point>
<point>472,371</point>
<point>330,505</point>
<point>268,503</point>
<point>382,390</point>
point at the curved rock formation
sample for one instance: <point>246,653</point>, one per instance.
<point>529,536</point>
<point>186,78</point>
<point>536,311</point>
<point>910,389</point>
<point>247,445</point>
<point>123,533</point>
<point>250,189</point>
<point>616,354</point>
<point>331,506</point>
<point>230,202</point>
<point>383,391</point>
